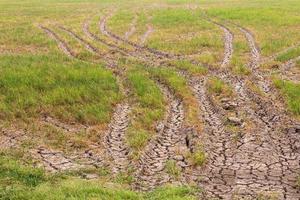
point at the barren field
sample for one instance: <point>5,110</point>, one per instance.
<point>150,99</point>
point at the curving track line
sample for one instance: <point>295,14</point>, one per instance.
<point>261,155</point>
<point>150,169</point>
<point>146,35</point>
<point>62,44</point>
<point>132,28</point>
<point>159,54</point>
<point>115,138</point>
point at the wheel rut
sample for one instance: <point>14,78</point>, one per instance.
<point>62,44</point>
<point>115,138</point>
<point>132,28</point>
<point>150,170</point>
<point>146,35</point>
<point>259,163</point>
<point>138,48</point>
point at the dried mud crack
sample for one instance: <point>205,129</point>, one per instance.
<point>115,138</point>
<point>150,170</point>
<point>261,160</point>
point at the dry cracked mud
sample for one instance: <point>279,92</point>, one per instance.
<point>150,170</point>
<point>115,138</point>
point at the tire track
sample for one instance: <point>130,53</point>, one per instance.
<point>115,138</point>
<point>62,44</point>
<point>87,45</point>
<point>257,165</point>
<point>274,56</point>
<point>132,29</point>
<point>91,35</point>
<point>150,169</point>
<point>146,35</point>
<point>138,48</point>
<point>228,43</point>
<point>70,128</point>
<point>11,138</point>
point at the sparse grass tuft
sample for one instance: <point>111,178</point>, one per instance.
<point>172,169</point>
<point>219,88</point>
<point>291,92</point>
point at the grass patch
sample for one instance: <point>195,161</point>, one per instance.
<point>291,92</point>
<point>189,67</point>
<point>219,88</point>
<point>293,53</point>
<point>71,91</point>
<point>18,182</point>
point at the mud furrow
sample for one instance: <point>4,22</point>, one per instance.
<point>272,57</point>
<point>115,138</point>
<point>255,161</point>
<point>91,35</point>
<point>150,169</point>
<point>132,29</point>
<point>255,52</point>
<point>71,128</point>
<point>10,138</point>
<point>228,43</point>
<point>62,44</point>
<point>145,36</point>
<point>138,48</point>
<point>87,45</point>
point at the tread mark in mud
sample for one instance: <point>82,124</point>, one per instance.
<point>147,33</point>
<point>115,139</point>
<point>62,44</point>
<point>151,165</point>
<point>132,28</point>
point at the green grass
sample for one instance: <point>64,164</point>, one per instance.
<point>293,53</point>
<point>219,88</point>
<point>172,169</point>
<point>189,67</point>
<point>19,182</point>
<point>31,85</point>
<point>291,92</point>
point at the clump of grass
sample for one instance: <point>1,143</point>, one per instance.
<point>241,70</point>
<point>198,158</point>
<point>291,92</point>
<point>189,67</point>
<point>219,88</point>
<point>137,139</point>
<point>172,169</point>
<point>298,181</point>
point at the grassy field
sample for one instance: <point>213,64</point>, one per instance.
<point>80,91</point>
